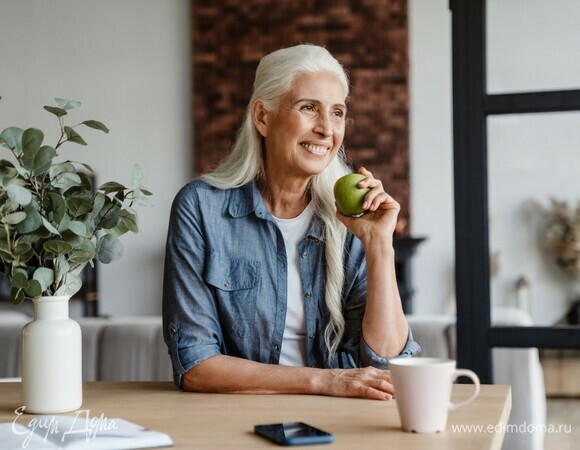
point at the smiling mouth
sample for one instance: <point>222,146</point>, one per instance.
<point>316,149</point>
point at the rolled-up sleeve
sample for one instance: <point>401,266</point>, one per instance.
<point>369,358</point>
<point>191,328</point>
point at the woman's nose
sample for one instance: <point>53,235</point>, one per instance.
<point>323,125</point>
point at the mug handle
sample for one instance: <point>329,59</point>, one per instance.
<point>473,377</point>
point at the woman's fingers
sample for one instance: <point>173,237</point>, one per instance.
<point>368,382</point>
<point>377,195</point>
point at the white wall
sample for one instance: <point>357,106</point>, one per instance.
<point>431,154</point>
<point>532,45</point>
<point>129,63</point>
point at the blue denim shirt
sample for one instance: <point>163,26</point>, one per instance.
<point>224,289</point>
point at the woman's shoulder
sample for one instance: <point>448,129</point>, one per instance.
<point>200,191</point>
<point>197,186</point>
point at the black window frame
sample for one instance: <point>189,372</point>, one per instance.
<point>471,106</point>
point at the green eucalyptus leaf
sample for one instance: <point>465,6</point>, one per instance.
<point>14,218</point>
<point>80,257</point>
<point>22,248</point>
<point>144,201</point>
<point>119,230</point>
<point>77,228</point>
<point>9,207</point>
<point>109,217</point>
<point>22,171</point>
<point>19,194</point>
<point>120,196</point>
<point>17,295</point>
<point>31,141</point>
<point>59,112</point>
<point>12,139</point>
<point>136,176</point>
<point>73,136</point>
<point>95,124</point>
<point>111,186</point>
<point>50,227</point>
<point>64,223</point>
<point>32,222</point>
<point>44,276</point>
<point>57,246</point>
<point>43,160</point>
<point>57,169</point>
<point>20,278</point>
<point>127,222</point>
<point>66,180</point>
<point>88,246</point>
<point>89,168</point>
<point>85,181</point>
<point>109,249</point>
<point>61,268</point>
<point>67,104</point>
<point>70,285</point>
<point>146,192</point>
<point>78,268</point>
<point>78,206</point>
<point>7,172</point>
<point>98,203</point>
<point>34,289</point>
<point>57,206</point>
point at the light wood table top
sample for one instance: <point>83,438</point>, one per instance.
<point>196,421</point>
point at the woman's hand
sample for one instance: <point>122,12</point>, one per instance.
<point>368,382</point>
<point>381,212</point>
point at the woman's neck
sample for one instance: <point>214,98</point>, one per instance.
<point>286,199</point>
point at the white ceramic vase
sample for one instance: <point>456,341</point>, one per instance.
<point>51,359</point>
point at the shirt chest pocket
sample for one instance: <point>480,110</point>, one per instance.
<point>235,283</point>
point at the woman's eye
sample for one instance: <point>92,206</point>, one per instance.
<point>308,108</point>
<point>339,113</point>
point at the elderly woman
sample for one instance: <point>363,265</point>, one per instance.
<point>268,288</point>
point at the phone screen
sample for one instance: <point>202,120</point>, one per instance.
<point>294,433</point>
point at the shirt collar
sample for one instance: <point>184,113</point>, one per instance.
<point>247,199</point>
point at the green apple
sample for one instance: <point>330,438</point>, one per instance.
<point>348,195</point>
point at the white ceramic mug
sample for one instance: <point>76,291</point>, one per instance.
<point>423,391</point>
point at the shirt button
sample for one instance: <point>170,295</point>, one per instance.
<point>311,337</point>
<point>226,284</point>
<point>173,330</point>
<point>304,254</point>
<point>276,347</point>
<point>309,295</point>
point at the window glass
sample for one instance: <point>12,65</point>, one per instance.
<point>533,158</point>
<point>533,45</point>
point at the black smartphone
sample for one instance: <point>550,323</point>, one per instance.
<point>293,433</point>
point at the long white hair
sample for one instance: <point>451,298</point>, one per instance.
<point>274,77</point>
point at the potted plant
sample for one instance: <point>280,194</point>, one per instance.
<point>53,222</point>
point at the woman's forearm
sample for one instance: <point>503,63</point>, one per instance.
<point>385,328</point>
<point>228,374</point>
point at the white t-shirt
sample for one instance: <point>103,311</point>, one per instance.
<point>293,351</point>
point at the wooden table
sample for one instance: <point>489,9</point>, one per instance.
<point>196,421</point>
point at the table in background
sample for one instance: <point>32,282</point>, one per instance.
<point>227,420</point>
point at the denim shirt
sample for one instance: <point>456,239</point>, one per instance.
<point>224,288</point>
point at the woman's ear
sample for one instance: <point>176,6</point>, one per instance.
<point>260,117</point>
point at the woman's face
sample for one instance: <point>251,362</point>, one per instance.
<point>306,131</point>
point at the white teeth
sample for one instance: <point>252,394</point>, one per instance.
<point>315,149</point>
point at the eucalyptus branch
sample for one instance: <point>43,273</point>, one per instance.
<point>50,235</point>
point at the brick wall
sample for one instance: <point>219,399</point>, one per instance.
<point>370,39</point>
